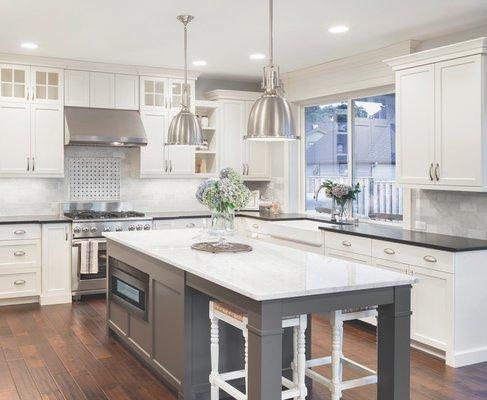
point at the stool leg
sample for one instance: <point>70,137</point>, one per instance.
<point>246,339</point>
<point>301,357</point>
<point>214,348</point>
<point>336,352</point>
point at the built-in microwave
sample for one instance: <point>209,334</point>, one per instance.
<point>129,288</point>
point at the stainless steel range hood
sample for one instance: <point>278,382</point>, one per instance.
<point>103,127</point>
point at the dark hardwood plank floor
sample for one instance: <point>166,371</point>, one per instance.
<point>62,352</point>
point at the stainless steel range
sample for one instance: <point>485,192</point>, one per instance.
<point>90,220</point>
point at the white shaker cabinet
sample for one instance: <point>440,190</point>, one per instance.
<point>77,88</point>
<point>126,92</point>
<point>15,80</point>
<point>256,154</point>
<point>180,159</point>
<point>31,131</point>
<point>56,264</point>
<point>102,90</point>
<point>232,130</point>
<point>152,157</point>
<point>440,112</point>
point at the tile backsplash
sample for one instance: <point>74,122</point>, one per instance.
<point>451,213</point>
<point>27,196</point>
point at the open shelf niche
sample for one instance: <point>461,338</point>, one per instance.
<point>206,159</point>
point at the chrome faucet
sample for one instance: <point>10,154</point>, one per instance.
<point>332,211</point>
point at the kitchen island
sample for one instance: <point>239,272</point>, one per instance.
<point>158,306</point>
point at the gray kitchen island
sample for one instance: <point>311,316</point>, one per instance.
<point>159,290</point>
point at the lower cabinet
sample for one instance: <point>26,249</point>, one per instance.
<point>56,264</point>
<point>181,223</point>
<point>343,255</point>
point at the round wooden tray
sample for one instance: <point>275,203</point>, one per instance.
<point>229,247</point>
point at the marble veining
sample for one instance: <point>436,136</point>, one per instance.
<point>268,272</point>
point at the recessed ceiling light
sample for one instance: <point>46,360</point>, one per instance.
<point>338,29</point>
<point>29,45</point>
<point>200,63</point>
<point>257,56</point>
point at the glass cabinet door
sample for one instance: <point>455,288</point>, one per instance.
<point>153,93</point>
<point>47,84</point>
<point>14,83</point>
<point>176,96</point>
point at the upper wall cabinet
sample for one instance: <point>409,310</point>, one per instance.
<point>31,132</point>
<point>101,90</point>
<point>440,136</point>
<point>164,93</point>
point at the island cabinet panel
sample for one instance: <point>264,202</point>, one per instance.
<point>168,329</point>
<point>140,333</point>
<point>119,318</point>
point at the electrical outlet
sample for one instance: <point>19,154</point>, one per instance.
<point>420,225</point>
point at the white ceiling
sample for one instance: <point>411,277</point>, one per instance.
<point>224,32</point>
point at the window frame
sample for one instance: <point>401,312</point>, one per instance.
<point>346,98</point>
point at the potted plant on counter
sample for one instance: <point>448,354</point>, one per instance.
<point>223,196</point>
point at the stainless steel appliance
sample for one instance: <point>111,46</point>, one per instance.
<point>129,288</point>
<point>90,220</point>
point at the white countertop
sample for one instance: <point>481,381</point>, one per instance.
<point>268,272</point>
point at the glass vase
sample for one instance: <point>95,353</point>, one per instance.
<point>342,212</point>
<point>222,225</point>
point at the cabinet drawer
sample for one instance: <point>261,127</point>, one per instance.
<point>19,284</point>
<point>20,231</point>
<point>20,254</point>
<point>344,255</point>
<point>189,223</point>
<point>348,243</point>
<point>413,255</point>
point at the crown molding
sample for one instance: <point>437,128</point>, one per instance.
<point>64,63</point>
<point>456,50</point>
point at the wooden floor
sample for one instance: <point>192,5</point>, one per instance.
<point>62,352</point>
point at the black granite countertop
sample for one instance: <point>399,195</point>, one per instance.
<point>415,238</point>
<point>33,219</point>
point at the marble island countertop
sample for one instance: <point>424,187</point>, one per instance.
<point>268,272</point>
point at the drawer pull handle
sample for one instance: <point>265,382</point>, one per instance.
<point>430,259</point>
<point>19,282</point>
<point>19,232</point>
<point>346,243</point>
<point>255,226</point>
<point>190,225</point>
<point>387,250</point>
<point>19,253</point>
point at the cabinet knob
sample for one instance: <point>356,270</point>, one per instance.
<point>19,253</point>
<point>19,282</point>
<point>346,243</point>
<point>430,259</point>
<point>387,250</point>
<point>19,232</point>
<point>255,226</point>
<point>190,225</point>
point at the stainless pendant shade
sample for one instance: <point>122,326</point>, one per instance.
<point>185,129</point>
<point>271,118</point>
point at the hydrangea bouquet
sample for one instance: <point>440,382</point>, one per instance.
<point>223,196</point>
<point>341,194</point>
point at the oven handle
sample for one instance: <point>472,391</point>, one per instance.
<point>77,243</point>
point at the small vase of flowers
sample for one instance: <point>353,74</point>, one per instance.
<point>341,195</point>
<point>223,196</point>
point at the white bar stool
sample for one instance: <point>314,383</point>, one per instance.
<point>336,384</point>
<point>223,312</point>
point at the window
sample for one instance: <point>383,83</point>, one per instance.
<point>370,161</point>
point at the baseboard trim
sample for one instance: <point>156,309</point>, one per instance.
<point>468,357</point>
<point>19,300</point>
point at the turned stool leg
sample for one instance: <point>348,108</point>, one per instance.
<point>246,339</point>
<point>336,354</point>
<point>214,348</point>
<point>301,357</point>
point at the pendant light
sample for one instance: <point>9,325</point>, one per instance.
<point>185,128</point>
<point>271,118</point>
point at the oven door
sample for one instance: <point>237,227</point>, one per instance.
<point>129,288</point>
<point>88,283</point>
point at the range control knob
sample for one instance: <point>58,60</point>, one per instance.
<point>85,229</point>
<point>93,229</point>
<point>106,229</point>
<point>131,228</point>
<point>77,230</point>
<point>147,227</point>
<point>119,228</point>
<point>139,227</point>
